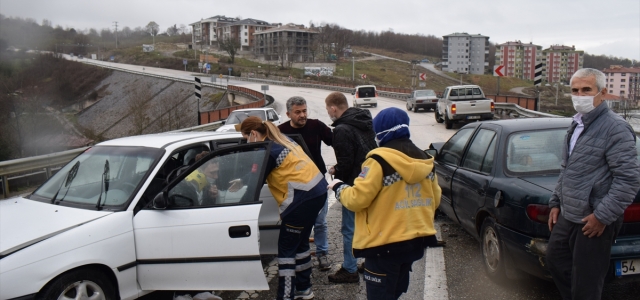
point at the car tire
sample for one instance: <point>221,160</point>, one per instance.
<point>493,256</point>
<point>415,108</point>
<point>375,105</point>
<point>448,124</point>
<point>408,107</point>
<point>95,285</point>
<point>438,116</point>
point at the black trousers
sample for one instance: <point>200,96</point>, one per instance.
<point>387,277</point>
<point>579,264</point>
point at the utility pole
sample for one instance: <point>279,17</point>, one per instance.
<point>116,25</point>
<point>353,68</point>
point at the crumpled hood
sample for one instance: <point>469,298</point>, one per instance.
<point>24,222</point>
<point>412,170</point>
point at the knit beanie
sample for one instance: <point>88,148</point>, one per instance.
<point>390,124</point>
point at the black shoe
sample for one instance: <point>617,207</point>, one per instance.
<point>343,276</point>
<point>323,263</point>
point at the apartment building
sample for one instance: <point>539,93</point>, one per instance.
<point>290,42</point>
<point>519,59</point>
<point>561,62</point>
<point>243,31</point>
<point>205,31</point>
<point>623,82</point>
<point>465,53</point>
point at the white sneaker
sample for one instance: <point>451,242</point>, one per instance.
<point>305,295</point>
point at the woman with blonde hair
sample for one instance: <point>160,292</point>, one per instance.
<point>301,191</point>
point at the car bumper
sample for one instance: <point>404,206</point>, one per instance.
<point>472,117</point>
<point>361,101</point>
<point>529,254</point>
<point>427,105</point>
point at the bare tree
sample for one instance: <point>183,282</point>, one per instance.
<point>172,30</point>
<point>138,106</point>
<point>231,46</point>
<point>314,47</point>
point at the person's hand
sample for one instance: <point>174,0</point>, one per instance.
<point>333,183</point>
<point>332,170</point>
<point>213,191</point>
<point>236,185</point>
<point>593,226</point>
<point>553,217</point>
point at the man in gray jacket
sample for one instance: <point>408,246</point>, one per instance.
<point>599,179</point>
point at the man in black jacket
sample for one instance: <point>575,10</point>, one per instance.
<point>353,138</point>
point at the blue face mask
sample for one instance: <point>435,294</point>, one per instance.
<point>392,129</point>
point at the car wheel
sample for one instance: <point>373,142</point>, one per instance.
<point>408,106</point>
<point>492,251</point>
<point>375,105</point>
<point>438,116</point>
<point>448,124</point>
<point>80,284</point>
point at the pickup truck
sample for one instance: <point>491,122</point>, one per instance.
<point>463,103</point>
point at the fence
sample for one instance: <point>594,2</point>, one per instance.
<point>525,102</point>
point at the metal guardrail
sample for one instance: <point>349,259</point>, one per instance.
<point>511,108</point>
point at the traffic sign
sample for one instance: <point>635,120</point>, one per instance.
<point>363,76</point>
<point>422,84</point>
<point>184,61</point>
<point>230,69</point>
<point>422,76</point>
<point>208,66</point>
<point>497,71</point>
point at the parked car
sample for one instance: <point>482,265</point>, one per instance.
<point>463,103</point>
<point>425,60</point>
<point>128,216</point>
<point>237,116</point>
<point>497,178</point>
<point>365,95</point>
<point>425,99</point>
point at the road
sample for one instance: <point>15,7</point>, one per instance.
<point>460,275</point>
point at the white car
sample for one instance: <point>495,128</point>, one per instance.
<point>237,116</point>
<point>129,216</point>
<point>365,95</point>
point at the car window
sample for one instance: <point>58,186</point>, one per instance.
<point>453,149</point>
<point>487,165</point>
<point>366,92</point>
<point>478,148</point>
<point>454,92</point>
<point>425,93</point>
<point>444,93</point>
<point>273,116</point>
<point>228,179</point>
<point>236,117</point>
<point>477,91</point>
<point>535,151</point>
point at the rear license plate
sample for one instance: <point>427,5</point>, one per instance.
<point>473,117</point>
<point>367,99</point>
<point>627,267</point>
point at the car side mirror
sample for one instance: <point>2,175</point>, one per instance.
<point>353,93</point>
<point>160,201</point>
<point>432,152</point>
<point>223,122</point>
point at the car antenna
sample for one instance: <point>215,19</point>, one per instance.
<point>67,181</point>
<point>104,184</point>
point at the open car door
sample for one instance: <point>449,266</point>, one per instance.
<point>201,232</point>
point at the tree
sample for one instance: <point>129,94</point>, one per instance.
<point>231,46</point>
<point>172,30</point>
<point>152,28</point>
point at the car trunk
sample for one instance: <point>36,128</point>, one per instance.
<point>366,92</point>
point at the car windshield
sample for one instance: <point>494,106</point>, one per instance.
<point>535,152</point>
<point>425,93</point>
<point>366,92</point>
<point>126,167</point>
<point>237,117</point>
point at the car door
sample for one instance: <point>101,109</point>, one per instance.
<point>205,238</point>
<point>472,180</point>
<point>448,160</point>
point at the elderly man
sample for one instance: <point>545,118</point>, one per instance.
<point>599,179</point>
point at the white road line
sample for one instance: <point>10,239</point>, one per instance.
<point>435,276</point>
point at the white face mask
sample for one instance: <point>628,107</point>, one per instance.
<point>583,104</point>
<point>392,129</point>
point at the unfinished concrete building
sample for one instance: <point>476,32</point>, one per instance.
<point>287,43</point>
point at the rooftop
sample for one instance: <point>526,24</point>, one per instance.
<point>288,27</point>
<point>465,34</point>
<point>249,22</point>
<point>620,69</point>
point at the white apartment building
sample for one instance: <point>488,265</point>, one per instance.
<point>465,53</point>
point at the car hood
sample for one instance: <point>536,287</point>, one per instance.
<point>225,128</point>
<point>546,182</point>
<point>24,222</point>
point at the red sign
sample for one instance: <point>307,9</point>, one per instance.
<point>363,76</point>
<point>422,76</point>
<point>497,71</point>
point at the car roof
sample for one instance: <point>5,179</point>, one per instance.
<point>523,124</point>
<point>162,140</point>
<point>368,85</point>
<point>254,109</point>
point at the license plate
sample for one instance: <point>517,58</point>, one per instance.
<point>473,117</point>
<point>367,99</point>
<point>627,267</point>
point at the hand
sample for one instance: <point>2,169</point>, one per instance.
<point>332,170</point>
<point>333,183</point>
<point>213,191</point>
<point>236,185</point>
<point>553,217</point>
<point>593,226</point>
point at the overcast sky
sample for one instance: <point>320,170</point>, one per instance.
<point>598,27</point>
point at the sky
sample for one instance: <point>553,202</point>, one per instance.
<point>595,26</point>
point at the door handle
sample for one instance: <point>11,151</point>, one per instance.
<point>239,231</point>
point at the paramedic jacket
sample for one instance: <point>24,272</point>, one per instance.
<point>293,178</point>
<point>394,199</point>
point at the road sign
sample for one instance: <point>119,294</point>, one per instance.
<point>199,65</point>
<point>422,84</point>
<point>264,87</point>
<point>112,58</point>
<point>422,76</point>
<point>363,76</point>
<point>230,69</point>
<point>497,71</point>
<point>537,80</point>
<point>208,66</point>
<point>184,61</point>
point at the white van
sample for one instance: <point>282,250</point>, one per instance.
<point>365,95</point>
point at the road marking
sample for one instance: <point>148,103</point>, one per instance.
<point>435,275</point>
